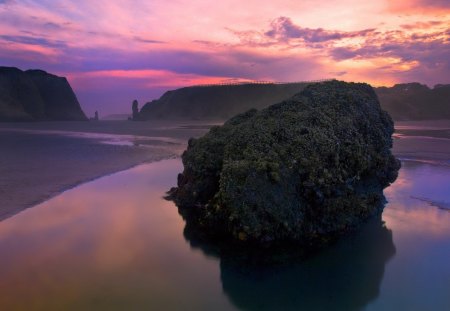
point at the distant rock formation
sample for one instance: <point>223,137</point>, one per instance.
<point>36,95</point>
<point>415,101</point>
<point>216,102</point>
<point>95,118</point>
<point>135,110</point>
<point>411,101</point>
<point>305,170</point>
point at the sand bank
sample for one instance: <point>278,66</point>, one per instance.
<point>39,160</point>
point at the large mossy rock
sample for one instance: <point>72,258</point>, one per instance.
<point>305,170</point>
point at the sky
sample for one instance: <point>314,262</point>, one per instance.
<point>115,51</point>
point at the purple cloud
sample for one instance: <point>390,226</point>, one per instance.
<point>284,29</point>
<point>431,3</point>
<point>421,25</point>
<point>139,39</point>
<point>34,41</point>
<point>339,73</point>
<point>430,53</point>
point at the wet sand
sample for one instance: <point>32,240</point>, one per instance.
<point>40,160</point>
<point>423,141</point>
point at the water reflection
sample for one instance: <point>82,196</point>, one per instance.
<point>417,200</point>
<point>115,244</point>
<point>112,244</point>
<point>346,276</point>
<point>351,274</point>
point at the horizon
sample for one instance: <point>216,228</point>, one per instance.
<point>112,52</point>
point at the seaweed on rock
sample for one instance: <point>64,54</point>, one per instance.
<point>305,170</point>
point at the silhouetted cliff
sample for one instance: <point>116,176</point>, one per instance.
<point>411,101</point>
<point>415,101</point>
<point>217,102</point>
<point>36,95</point>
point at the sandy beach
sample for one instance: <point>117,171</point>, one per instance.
<point>423,141</point>
<point>41,159</point>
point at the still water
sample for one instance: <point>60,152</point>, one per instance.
<point>116,244</point>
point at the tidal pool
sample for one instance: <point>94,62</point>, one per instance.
<point>116,244</point>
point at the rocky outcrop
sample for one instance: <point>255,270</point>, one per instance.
<point>36,95</point>
<point>135,110</point>
<point>305,170</point>
<point>95,117</point>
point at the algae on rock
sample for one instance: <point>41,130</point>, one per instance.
<point>306,170</point>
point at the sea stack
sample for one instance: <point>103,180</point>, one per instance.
<point>305,170</point>
<point>135,110</point>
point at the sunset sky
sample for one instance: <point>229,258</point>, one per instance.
<point>115,51</point>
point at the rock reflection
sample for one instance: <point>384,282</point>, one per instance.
<point>346,276</point>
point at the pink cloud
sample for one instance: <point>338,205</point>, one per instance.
<point>142,79</point>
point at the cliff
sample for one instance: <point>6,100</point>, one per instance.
<point>35,95</point>
<point>411,101</point>
<point>415,101</point>
<point>305,170</point>
<point>216,102</point>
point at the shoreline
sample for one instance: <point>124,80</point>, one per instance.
<point>55,193</point>
<point>39,163</point>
